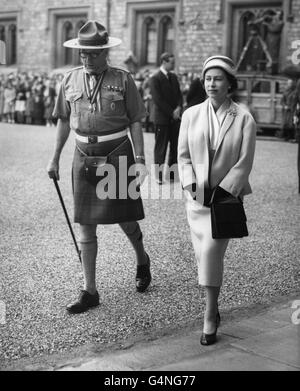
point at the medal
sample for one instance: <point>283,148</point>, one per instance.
<point>92,94</point>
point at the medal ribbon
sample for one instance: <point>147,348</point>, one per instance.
<point>92,95</point>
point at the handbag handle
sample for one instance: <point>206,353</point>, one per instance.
<point>226,194</point>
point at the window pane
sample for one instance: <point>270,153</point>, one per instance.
<point>8,30</point>
<point>154,34</point>
<point>242,84</point>
<point>2,33</point>
<point>13,43</point>
<point>68,34</point>
<point>168,35</point>
<point>151,43</point>
<point>261,86</point>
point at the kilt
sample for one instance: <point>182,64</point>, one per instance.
<point>104,197</point>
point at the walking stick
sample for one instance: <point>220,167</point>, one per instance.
<point>67,217</point>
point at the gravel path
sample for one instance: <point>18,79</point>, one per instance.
<point>40,272</point>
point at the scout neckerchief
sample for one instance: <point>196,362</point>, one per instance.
<point>92,93</point>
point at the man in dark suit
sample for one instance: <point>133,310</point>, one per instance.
<point>167,100</point>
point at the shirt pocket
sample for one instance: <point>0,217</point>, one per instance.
<point>113,104</point>
<point>75,99</point>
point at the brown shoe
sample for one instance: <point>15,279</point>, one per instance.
<point>84,302</point>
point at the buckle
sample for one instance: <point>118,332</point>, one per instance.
<point>92,139</point>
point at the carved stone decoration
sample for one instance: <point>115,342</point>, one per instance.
<point>260,36</point>
<point>274,25</point>
<point>196,22</point>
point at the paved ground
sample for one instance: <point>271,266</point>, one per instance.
<point>263,339</point>
<point>40,272</point>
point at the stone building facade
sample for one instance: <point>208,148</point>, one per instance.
<point>34,30</point>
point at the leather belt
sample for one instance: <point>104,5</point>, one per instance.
<point>100,139</point>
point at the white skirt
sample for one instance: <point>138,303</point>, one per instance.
<point>209,252</point>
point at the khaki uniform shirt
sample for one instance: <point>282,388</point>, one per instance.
<point>119,104</point>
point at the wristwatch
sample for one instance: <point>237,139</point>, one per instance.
<point>141,157</point>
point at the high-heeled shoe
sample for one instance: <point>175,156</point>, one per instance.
<point>209,339</point>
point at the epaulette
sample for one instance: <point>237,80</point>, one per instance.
<point>118,68</point>
<point>74,69</point>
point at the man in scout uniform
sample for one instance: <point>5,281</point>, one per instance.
<point>99,103</point>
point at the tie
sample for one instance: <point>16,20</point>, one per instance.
<point>93,83</point>
<point>169,76</point>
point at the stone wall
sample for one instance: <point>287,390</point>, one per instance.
<point>199,35</point>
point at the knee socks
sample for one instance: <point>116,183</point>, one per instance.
<point>89,250</point>
<point>134,234</point>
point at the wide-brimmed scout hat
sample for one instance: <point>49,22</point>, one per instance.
<point>222,62</point>
<point>92,35</point>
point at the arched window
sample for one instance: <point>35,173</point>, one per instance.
<point>166,35</point>
<point>149,38</point>
<point>8,34</point>
<point>2,33</point>
<point>244,29</point>
<point>76,58</point>
<point>251,55</point>
<point>67,33</point>
<point>79,25</point>
<point>13,44</point>
<point>254,35</point>
<point>66,28</point>
<point>155,34</point>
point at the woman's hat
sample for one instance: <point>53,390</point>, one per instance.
<point>222,62</point>
<point>92,35</point>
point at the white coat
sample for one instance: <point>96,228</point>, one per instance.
<point>234,154</point>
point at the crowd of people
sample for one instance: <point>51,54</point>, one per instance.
<point>28,98</point>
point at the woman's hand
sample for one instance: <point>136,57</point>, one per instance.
<point>193,191</point>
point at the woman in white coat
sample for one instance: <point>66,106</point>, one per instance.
<point>215,150</point>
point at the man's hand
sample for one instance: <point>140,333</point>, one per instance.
<point>53,169</point>
<point>177,113</point>
<point>141,171</point>
<point>62,134</point>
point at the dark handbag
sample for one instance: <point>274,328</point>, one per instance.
<point>228,218</point>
